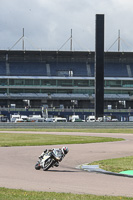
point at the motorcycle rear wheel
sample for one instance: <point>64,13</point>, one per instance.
<point>48,164</point>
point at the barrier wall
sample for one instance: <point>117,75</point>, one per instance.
<point>67,125</point>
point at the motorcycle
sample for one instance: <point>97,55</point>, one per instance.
<point>48,160</point>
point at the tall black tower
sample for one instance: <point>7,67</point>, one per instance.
<point>99,66</point>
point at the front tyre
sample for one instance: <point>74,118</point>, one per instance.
<point>48,163</point>
<point>37,166</point>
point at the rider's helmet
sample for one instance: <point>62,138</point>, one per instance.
<point>65,150</point>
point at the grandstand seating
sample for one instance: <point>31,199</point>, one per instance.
<point>78,69</point>
<point>92,70</point>
<point>115,70</point>
<point>27,69</point>
<point>63,69</point>
<point>2,68</point>
<point>131,68</point>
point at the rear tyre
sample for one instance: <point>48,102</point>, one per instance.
<point>48,163</point>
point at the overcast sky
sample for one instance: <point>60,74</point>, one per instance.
<point>47,23</point>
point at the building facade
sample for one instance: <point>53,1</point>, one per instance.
<point>64,79</point>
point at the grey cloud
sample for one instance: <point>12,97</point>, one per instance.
<point>48,23</point>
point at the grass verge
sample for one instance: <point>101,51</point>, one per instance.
<point>13,194</point>
<point>116,164</point>
<point>20,139</point>
<point>72,130</point>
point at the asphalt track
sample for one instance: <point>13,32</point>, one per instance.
<point>17,168</point>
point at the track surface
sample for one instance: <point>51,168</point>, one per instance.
<point>17,168</point>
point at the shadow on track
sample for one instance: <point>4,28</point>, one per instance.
<point>69,169</point>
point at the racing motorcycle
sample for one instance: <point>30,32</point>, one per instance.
<point>48,160</point>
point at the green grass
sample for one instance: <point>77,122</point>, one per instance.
<point>20,139</point>
<point>72,130</point>
<point>116,164</point>
<point>12,194</point>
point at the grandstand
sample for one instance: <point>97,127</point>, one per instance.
<point>65,78</point>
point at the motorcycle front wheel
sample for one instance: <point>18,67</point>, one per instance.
<point>37,166</point>
<point>48,163</point>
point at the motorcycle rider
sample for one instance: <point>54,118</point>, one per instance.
<point>63,151</point>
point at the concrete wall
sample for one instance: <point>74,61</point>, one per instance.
<point>67,125</point>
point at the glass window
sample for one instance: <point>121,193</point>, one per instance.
<point>3,91</point>
<point>127,83</point>
<point>16,82</point>
<point>48,82</point>
<point>11,82</point>
<point>19,82</point>
<point>32,91</point>
<point>91,83</point>
<point>113,83</point>
<point>48,91</point>
<point>81,83</point>
<point>3,82</point>
<point>116,92</point>
<point>64,83</point>
<point>36,82</point>
<point>83,91</point>
<point>28,81</point>
<point>15,90</point>
<point>64,91</point>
